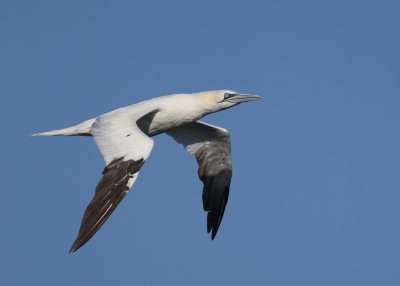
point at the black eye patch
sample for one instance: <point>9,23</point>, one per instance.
<point>228,95</point>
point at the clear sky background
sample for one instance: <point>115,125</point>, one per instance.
<point>315,196</point>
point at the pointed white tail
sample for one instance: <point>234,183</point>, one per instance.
<point>80,129</point>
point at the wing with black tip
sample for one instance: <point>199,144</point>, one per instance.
<point>125,148</point>
<point>211,146</point>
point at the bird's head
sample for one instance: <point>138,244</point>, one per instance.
<point>216,100</point>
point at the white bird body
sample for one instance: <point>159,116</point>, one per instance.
<point>123,136</point>
<point>173,110</point>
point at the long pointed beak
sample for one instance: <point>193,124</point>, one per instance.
<point>239,98</point>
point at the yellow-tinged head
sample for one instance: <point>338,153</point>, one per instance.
<point>216,100</point>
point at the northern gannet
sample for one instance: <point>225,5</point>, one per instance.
<point>123,137</point>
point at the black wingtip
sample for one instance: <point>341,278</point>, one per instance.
<point>110,191</point>
<point>73,248</point>
<point>213,224</point>
<point>214,231</point>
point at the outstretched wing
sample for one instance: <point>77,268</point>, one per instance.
<point>211,146</point>
<point>124,148</point>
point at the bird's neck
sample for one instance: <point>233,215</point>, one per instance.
<point>175,110</point>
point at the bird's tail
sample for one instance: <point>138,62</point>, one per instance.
<point>82,129</point>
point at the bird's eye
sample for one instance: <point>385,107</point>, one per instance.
<point>227,95</point>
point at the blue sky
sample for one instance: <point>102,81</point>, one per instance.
<point>315,193</point>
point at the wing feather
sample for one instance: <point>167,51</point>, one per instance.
<point>211,146</point>
<point>124,148</point>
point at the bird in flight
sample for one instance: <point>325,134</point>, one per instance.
<point>123,137</point>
